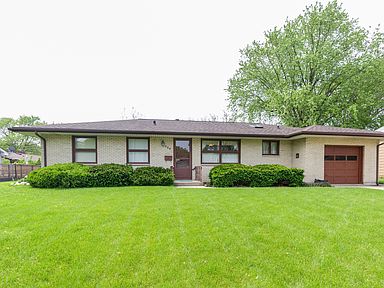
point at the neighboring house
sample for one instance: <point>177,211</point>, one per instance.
<point>3,154</point>
<point>192,148</point>
<point>14,157</point>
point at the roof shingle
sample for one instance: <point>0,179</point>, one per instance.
<point>188,127</point>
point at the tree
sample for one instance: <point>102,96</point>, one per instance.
<point>320,68</point>
<point>29,144</point>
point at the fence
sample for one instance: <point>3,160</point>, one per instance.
<point>15,171</point>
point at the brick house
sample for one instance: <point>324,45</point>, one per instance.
<point>192,148</point>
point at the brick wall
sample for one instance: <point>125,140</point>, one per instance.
<point>112,149</point>
<point>314,160</point>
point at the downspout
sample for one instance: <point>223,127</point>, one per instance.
<point>377,162</point>
<point>44,142</point>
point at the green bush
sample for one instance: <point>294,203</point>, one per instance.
<point>265,175</point>
<point>72,175</point>
<point>218,169</point>
<point>67,175</point>
<point>109,175</point>
<point>153,176</point>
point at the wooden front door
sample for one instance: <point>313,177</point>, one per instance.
<point>182,159</point>
<point>343,164</point>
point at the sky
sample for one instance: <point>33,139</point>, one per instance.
<point>74,61</point>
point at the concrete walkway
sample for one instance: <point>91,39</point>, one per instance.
<point>380,187</point>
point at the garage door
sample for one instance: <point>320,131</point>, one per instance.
<point>343,164</point>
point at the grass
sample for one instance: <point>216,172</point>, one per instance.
<point>172,237</point>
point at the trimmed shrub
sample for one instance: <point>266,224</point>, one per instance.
<point>67,175</point>
<point>265,175</point>
<point>217,170</point>
<point>153,176</point>
<point>109,175</point>
<point>72,175</point>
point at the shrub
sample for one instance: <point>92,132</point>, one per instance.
<point>72,175</point>
<point>265,175</point>
<point>220,168</point>
<point>67,175</point>
<point>153,176</point>
<point>108,175</point>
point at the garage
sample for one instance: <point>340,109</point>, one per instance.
<point>343,164</point>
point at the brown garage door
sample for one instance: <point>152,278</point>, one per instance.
<point>343,164</point>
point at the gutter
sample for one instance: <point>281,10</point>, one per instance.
<point>377,163</point>
<point>44,142</point>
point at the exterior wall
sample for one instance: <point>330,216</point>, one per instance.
<point>299,147</point>
<point>314,157</point>
<point>251,154</point>
<point>112,149</point>
<point>196,155</point>
<point>158,152</point>
<point>381,161</point>
<point>59,148</point>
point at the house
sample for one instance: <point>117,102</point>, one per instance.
<point>14,157</point>
<point>3,154</point>
<point>192,148</point>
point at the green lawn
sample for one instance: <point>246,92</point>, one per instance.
<point>172,237</point>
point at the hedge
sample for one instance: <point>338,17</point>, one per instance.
<point>265,175</point>
<point>153,176</point>
<point>67,175</point>
<point>108,175</point>
<point>73,175</point>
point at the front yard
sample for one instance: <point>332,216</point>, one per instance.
<point>173,237</point>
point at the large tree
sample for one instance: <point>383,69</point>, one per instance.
<point>19,142</point>
<point>319,68</point>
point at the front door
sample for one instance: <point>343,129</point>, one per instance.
<point>183,159</point>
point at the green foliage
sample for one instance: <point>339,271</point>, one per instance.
<point>73,175</point>
<point>5,161</point>
<point>153,176</point>
<point>381,181</point>
<point>30,162</point>
<point>69,175</point>
<point>237,175</point>
<point>108,175</point>
<point>28,144</point>
<point>218,169</point>
<point>320,68</point>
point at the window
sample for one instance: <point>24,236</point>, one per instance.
<point>220,151</point>
<point>138,150</point>
<point>329,157</point>
<point>84,150</point>
<point>340,158</point>
<point>351,158</point>
<point>270,147</point>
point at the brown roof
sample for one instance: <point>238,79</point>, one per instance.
<point>188,127</point>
